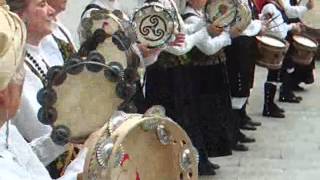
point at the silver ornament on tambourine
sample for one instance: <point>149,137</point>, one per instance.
<point>162,153</point>
<point>155,23</point>
<point>221,12</point>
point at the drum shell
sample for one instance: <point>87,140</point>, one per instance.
<point>302,54</point>
<point>271,57</point>
<point>315,34</point>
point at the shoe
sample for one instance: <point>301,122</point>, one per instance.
<point>214,166</point>
<point>240,147</point>
<point>287,95</point>
<point>254,123</point>
<point>248,127</point>
<point>279,108</point>
<point>270,109</point>
<point>246,118</point>
<point>297,88</point>
<point>205,169</point>
<point>247,140</point>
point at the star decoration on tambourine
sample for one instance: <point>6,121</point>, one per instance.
<point>81,96</point>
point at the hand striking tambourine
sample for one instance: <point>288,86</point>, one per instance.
<point>156,23</point>
<point>223,12</point>
<point>141,147</point>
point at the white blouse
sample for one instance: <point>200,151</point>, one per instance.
<point>206,44</point>
<point>277,26</point>
<point>50,47</point>
<point>19,162</point>
<point>294,11</point>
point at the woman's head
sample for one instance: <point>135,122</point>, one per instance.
<point>37,14</point>
<point>197,4</point>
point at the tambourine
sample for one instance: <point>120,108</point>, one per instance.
<point>223,12</point>
<point>79,97</point>
<point>134,146</point>
<point>243,19</point>
<point>155,23</point>
<point>110,33</point>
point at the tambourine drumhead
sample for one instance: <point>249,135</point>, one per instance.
<point>305,41</point>
<point>143,148</point>
<point>79,101</point>
<point>222,12</point>
<point>271,41</point>
<point>155,25</point>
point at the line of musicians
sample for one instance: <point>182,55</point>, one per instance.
<point>204,85</point>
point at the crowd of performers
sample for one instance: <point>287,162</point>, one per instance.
<point>203,79</point>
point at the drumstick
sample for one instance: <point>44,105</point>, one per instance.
<point>272,19</point>
<point>269,28</point>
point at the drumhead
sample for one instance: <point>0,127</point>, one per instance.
<point>271,41</point>
<point>305,41</point>
<point>78,98</point>
<point>222,12</point>
<point>142,148</point>
<point>154,24</point>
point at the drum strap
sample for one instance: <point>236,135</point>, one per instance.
<point>91,6</point>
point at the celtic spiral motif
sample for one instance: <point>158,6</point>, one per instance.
<point>151,27</point>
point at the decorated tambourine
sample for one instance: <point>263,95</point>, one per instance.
<point>110,34</point>
<point>222,12</point>
<point>141,147</point>
<point>81,96</point>
<point>155,23</point>
<point>243,19</point>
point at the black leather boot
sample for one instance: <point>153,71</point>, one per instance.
<point>287,95</point>
<point>246,118</point>
<point>205,167</point>
<point>270,109</point>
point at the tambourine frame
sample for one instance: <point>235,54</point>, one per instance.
<point>209,20</point>
<point>168,13</point>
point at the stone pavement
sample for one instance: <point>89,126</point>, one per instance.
<point>286,149</point>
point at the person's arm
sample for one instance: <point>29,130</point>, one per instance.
<point>190,41</point>
<point>210,45</point>
<point>296,11</point>
<point>253,29</point>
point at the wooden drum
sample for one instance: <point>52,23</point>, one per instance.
<point>272,51</point>
<point>304,49</point>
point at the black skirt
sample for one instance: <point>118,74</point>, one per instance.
<point>212,106</point>
<point>241,57</point>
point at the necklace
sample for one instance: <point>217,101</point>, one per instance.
<point>36,68</point>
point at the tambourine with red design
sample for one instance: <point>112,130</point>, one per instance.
<point>134,146</point>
